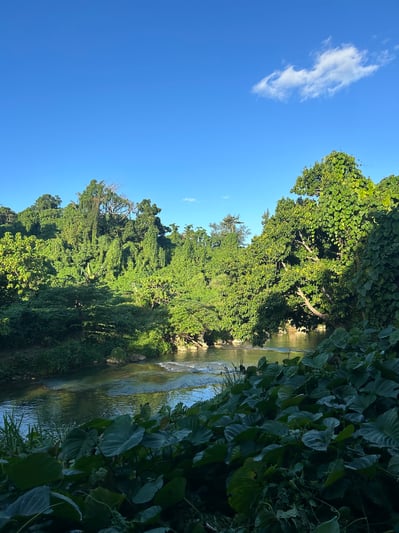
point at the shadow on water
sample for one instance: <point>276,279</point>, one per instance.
<point>186,377</point>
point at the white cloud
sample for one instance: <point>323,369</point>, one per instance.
<point>333,69</point>
<point>189,200</point>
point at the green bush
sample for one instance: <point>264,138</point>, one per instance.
<point>150,343</point>
<point>68,356</point>
<point>118,354</point>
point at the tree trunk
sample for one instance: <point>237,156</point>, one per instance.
<point>313,310</point>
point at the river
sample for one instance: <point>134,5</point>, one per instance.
<point>186,377</point>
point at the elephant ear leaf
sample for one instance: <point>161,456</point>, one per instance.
<point>78,443</point>
<point>173,492</point>
<point>383,431</point>
<point>244,487</point>
<point>330,526</point>
<point>35,501</point>
<point>148,491</point>
<point>34,470</point>
<point>122,435</point>
<point>317,440</point>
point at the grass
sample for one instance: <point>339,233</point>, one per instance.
<point>16,439</point>
<point>12,440</point>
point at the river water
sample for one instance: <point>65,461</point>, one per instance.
<point>186,377</point>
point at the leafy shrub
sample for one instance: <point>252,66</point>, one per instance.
<point>150,343</point>
<point>376,283</point>
<point>118,353</point>
<point>70,356</point>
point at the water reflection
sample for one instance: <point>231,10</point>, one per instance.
<point>187,377</point>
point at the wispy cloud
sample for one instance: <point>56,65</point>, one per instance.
<point>189,200</point>
<point>332,70</point>
<point>225,197</point>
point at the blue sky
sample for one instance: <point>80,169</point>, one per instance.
<point>206,107</point>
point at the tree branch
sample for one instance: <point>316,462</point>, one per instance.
<point>313,310</point>
<point>314,256</point>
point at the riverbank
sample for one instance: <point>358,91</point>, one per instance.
<point>37,363</point>
<point>109,390</point>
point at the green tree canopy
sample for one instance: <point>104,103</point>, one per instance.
<point>7,216</point>
<point>47,201</point>
<point>103,209</point>
<point>231,225</point>
<point>23,266</point>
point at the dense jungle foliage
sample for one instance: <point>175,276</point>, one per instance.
<point>311,444</point>
<point>104,278</point>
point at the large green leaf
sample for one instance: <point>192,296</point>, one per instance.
<point>345,434</point>
<point>339,338</point>
<point>105,496</point>
<point>100,424</point>
<point>336,471</point>
<point>273,427</point>
<point>317,361</point>
<point>191,422</point>
<point>35,501</point>
<point>361,402</point>
<point>148,491</point>
<point>244,487</point>
<point>65,507</point>
<point>99,507</point>
<point>160,439</point>
<point>233,430</point>
<point>272,454</point>
<point>172,493</point>
<point>383,387</point>
<point>317,440</point>
<point>301,418</point>
<point>121,436</point>
<point>294,400</point>
<point>86,465</point>
<point>386,332</point>
<point>155,441</point>
<point>284,393</point>
<point>363,463</point>
<point>34,470</point>
<point>215,453</point>
<point>148,515</point>
<point>394,337</point>
<point>330,423</point>
<point>330,526</point>
<point>331,401</point>
<point>393,465</point>
<point>390,368</point>
<point>200,436</point>
<point>384,431</point>
<point>78,443</point>
<point>178,436</point>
